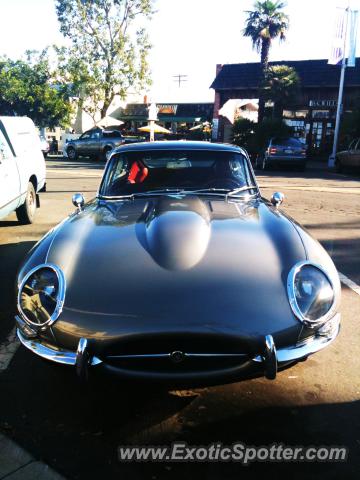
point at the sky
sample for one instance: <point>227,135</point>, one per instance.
<point>189,37</point>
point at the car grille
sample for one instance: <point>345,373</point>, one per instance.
<point>177,361</point>
<point>178,354</point>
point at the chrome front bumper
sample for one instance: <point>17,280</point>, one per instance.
<point>50,352</point>
<point>273,357</point>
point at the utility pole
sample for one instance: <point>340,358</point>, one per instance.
<point>180,78</point>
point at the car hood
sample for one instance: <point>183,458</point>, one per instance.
<point>177,262</point>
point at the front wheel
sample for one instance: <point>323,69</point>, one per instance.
<point>71,153</point>
<point>338,166</point>
<point>26,212</point>
<point>261,163</point>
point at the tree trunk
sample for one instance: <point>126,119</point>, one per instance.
<point>265,48</point>
<point>278,110</point>
<point>105,106</point>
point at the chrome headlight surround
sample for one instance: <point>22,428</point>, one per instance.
<point>60,296</point>
<point>293,300</point>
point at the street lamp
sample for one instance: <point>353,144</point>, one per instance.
<point>152,117</point>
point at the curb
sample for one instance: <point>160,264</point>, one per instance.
<point>17,464</point>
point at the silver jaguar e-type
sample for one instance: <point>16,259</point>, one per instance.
<point>178,271</point>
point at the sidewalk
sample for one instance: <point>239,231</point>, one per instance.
<point>17,464</point>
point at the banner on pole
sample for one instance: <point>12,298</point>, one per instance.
<point>338,43</point>
<point>354,20</point>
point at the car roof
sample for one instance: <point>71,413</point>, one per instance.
<point>180,145</point>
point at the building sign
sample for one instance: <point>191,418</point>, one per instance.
<point>321,114</point>
<point>323,103</point>
<point>167,109</point>
<point>215,129</point>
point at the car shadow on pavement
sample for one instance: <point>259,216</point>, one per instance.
<point>11,256</point>
<point>65,163</point>
<point>8,223</point>
<point>76,428</point>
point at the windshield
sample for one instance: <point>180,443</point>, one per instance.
<point>143,171</point>
<point>287,142</point>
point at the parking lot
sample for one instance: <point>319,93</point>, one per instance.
<point>76,429</point>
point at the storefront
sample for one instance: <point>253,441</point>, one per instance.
<point>313,117</point>
<point>176,117</point>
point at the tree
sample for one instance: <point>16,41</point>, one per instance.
<point>244,134</point>
<point>27,88</point>
<point>265,23</point>
<point>281,85</point>
<point>108,52</point>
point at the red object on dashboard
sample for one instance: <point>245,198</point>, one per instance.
<point>138,172</point>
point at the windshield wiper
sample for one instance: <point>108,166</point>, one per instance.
<point>223,191</point>
<point>131,196</point>
<point>160,191</point>
<point>245,188</point>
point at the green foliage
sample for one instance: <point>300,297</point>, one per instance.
<point>266,22</point>
<point>244,133</point>
<point>27,88</point>
<point>281,86</point>
<point>108,51</point>
<point>255,136</point>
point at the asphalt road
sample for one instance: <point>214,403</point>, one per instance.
<point>77,429</point>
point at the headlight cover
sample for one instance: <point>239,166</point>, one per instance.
<point>41,295</point>
<point>311,293</point>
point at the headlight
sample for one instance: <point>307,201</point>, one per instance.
<point>41,295</point>
<point>311,293</point>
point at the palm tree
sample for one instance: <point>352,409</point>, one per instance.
<point>282,85</point>
<point>266,22</point>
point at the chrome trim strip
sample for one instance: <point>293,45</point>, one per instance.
<point>307,347</point>
<point>292,297</point>
<point>53,353</point>
<point>60,295</point>
<point>135,356</point>
<point>168,355</point>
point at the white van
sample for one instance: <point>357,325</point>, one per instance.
<point>22,168</point>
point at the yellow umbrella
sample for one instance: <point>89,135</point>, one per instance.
<point>197,127</point>
<point>156,129</point>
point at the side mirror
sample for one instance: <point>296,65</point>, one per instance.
<point>277,199</point>
<point>78,201</point>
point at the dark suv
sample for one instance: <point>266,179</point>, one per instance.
<point>95,144</point>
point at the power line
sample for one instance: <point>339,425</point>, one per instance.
<point>180,78</point>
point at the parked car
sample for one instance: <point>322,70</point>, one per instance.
<point>45,146</point>
<point>95,143</point>
<point>178,271</point>
<point>350,157</point>
<point>283,151</point>
<point>22,168</point>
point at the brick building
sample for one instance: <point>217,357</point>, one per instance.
<point>313,117</point>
